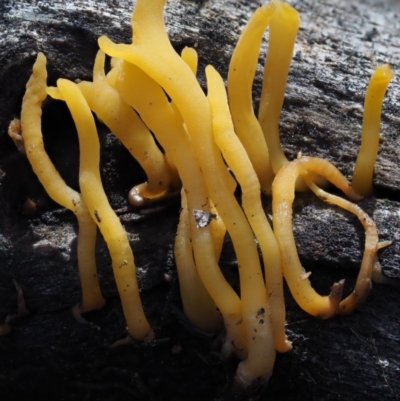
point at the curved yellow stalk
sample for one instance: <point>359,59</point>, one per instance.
<point>56,187</point>
<point>364,167</point>
<point>282,199</point>
<point>282,34</point>
<point>150,50</point>
<point>102,213</point>
<point>127,126</point>
<point>372,245</point>
<point>218,229</point>
<point>237,159</point>
<point>197,303</point>
<point>242,68</point>
<point>190,57</point>
<point>147,97</point>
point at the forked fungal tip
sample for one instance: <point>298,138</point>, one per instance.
<point>384,244</point>
<point>337,288</point>
<point>335,296</point>
<point>356,298</point>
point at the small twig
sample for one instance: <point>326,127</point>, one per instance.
<point>353,331</point>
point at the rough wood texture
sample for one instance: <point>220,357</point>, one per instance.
<point>49,353</point>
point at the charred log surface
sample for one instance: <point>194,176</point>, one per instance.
<point>48,354</point>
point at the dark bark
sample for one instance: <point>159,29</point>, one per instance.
<point>49,353</point>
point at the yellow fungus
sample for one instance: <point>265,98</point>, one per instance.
<point>194,130</point>
<point>282,34</point>
<point>127,126</point>
<point>261,355</point>
<point>189,56</point>
<point>364,167</point>
<point>56,187</point>
<point>150,49</point>
<point>282,200</point>
<point>193,292</point>
<point>147,97</point>
<point>238,160</point>
<point>102,213</point>
<point>242,68</point>
<point>372,245</point>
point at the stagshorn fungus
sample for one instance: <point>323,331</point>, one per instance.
<point>56,187</point>
<point>204,139</point>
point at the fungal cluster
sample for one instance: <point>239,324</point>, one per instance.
<point>210,144</point>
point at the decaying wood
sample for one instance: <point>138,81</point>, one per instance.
<point>49,353</point>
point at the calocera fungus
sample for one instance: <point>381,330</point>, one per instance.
<point>192,289</point>
<point>127,126</point>
<point>147,97</point>
<point>56,187</point>
<point>282,35</point>
<point>370,267</point>
<point>102,214</point>
<point>242,69</point>
<point>283,191</point>
<point>200,135</point>
<point>240,164</point>
<point>364,167</point>
<point>151,48</point>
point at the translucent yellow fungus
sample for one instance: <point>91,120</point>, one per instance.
<point>102,213</point>
<point>282,199</point>
<point>149,78</point>
<point>259,363</point>
<point>369,261</point>
<point>240,164</point>
<point>127,126</point>
<point>147,97</point>
<point>150,49</point>
<point>193,292</point>
<point>242,68</point>
<point>189,56</point>
<point>364,167</point>
<point>282,34</point>
<point>56,187</point>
